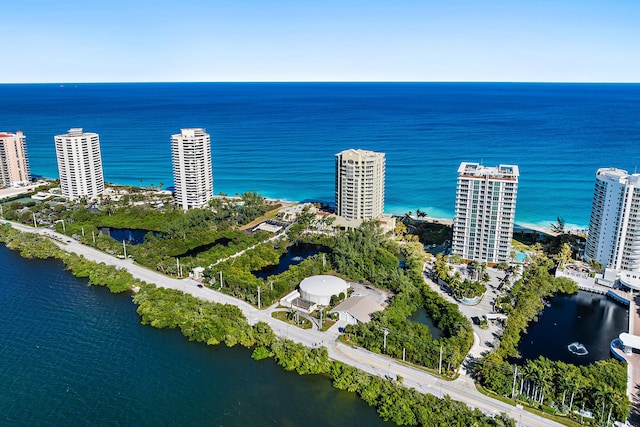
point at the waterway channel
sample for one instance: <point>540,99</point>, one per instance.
<point>295,255</point>
<point>71,354</point>
<point>133,236</point>
<point>421,316</point>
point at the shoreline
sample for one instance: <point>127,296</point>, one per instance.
<point>362,359</point>
<point>9,192</point>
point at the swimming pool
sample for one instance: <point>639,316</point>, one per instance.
<point>520,257</point>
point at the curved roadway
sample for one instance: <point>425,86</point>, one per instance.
<point>461,389</point>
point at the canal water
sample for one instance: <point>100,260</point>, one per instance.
<point>421,316</point>
<point>295,255</point>
<point>74,355</point>
<point>590,319</point>
<point>133,236</point>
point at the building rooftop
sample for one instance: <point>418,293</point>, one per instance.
<point>473,170</point>
<point>359,307</point>
<point>324,285</point>
<point>352,152</point>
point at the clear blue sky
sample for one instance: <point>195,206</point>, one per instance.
<point>321,40</point>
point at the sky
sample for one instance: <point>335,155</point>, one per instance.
<point>65,41</point>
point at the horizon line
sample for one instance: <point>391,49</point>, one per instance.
<point>330,82</point>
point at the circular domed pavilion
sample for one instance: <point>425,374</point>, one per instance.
<point>319,289</point>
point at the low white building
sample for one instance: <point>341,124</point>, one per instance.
<point>387,223</point>
<point>290,213</point>
<point>356,310</point>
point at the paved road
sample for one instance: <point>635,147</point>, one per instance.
<point>461,389</point>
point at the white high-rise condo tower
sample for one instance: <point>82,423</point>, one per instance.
<point>192,172</point>
<point>79,164</point>
<point>614,227</point>
<point>485,211</point>
<point>14,163</point>
<point>359,184</point>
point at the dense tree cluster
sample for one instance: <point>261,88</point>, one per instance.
<point>404,406</point>
<point>213,323</point>
<point>198,320</point>
<point>30,245</point>
<point>600,387</point>
<point>240,282</point>
<point>366,253</point>
<point>117,280</point>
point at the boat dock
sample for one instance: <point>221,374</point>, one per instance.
<point>615,294</point>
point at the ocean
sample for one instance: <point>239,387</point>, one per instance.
<point>279,139</point>
<point>77,355</point>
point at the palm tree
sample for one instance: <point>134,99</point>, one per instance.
<point>605,395</point>
<point>578,384</point>
<point>546,376</point>
<point>475,269</point>
<point>528,371</point>
<point>564,384</point>
<point>595,265</point>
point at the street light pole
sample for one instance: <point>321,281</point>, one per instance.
<point>258,297</point>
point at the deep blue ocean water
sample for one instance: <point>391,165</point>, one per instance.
<point>73,355</point>
<point>280,138</point>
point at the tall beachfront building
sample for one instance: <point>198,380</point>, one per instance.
<point>14,163</point>
<point>614,227</point>
<point>485,211</point>
<point>359,184</point>
<point>192,172</point>
<point>79,164</point>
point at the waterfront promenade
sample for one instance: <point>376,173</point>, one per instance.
<point>632,359</point>
<point>462,389</point>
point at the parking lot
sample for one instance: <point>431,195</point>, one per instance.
<point>363,290</point>
<point>489,336</point>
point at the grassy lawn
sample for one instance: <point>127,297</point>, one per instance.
<point>519,246</point>
<point>327,323</point>
<point>269,215</point>
<point>283,315</point>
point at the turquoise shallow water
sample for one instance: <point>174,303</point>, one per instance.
<point>73,355</point>
<point>280,138</point>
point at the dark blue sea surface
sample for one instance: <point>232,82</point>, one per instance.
<point>280,138</point>
<point>73,355</point>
